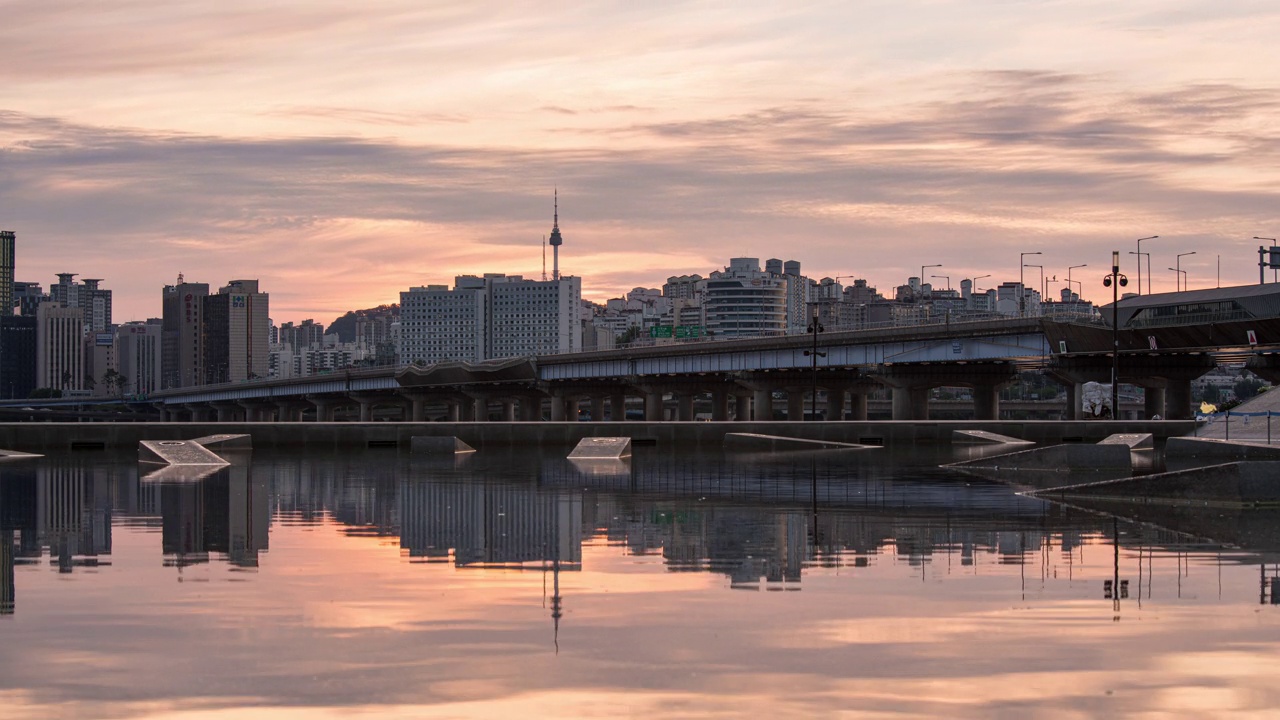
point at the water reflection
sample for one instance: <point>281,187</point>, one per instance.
<point>388,579</point>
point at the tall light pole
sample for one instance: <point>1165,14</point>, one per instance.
<point>1041,287</point>
<point>922,267</point>
<point>815,327</point>
<point>1261,279</point>
<point>1114,281</point>
<point>1153,237</point>
<point>1179,267</point>
<point>1073,267</point>
<point>1178,274</point>
<point>943,277</point>
<point>1022,286</point>
<point>975,282</point>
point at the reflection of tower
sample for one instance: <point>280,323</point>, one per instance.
<point>249,517</point>
<point>556,241</point>
<point>6,572</point>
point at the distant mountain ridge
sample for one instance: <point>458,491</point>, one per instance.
<point>345,326</point>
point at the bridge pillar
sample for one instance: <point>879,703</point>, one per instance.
<point>741,407</point>
<point>795,403</point>
<point>530,408</point>
<point>1072,391</point>
<point>986,401</point>
<point>557,408</point>
<point>366,409</point>
<point>684,405</point>
<point>199,412</point>
<point>763,400</point>
<point>225,412</point>
<point>597,408</point>
<point>1153,402</point>
<point>911,403</point>
<point>509,410</point>
<point>835,403</point>
<point>719,405</point>
<point>1178,400</point>
<point>480,409</point>
<point>653,408</point>
<point>324,408</point>
<point>454,410</point>
<point>618,407</point>
<point>857,405</point>
<point>417,409</point>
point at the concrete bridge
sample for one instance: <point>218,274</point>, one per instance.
<point>1165,342</point>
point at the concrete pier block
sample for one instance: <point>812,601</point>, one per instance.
<point>225,441</point>
<point>755,442</point>
<point>1133,441</point>
<point>984,437</point>
<point>177,452</point>
<point>595,448</point>
<point>438,445</point>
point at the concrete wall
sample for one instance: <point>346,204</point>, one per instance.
<point>50,437</point>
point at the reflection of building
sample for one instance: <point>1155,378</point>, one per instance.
<point>225,513</point>
<point>6,572</point>
<point>73,514</point>
<point>491,524</point>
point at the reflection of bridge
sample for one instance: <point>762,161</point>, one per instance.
<point>1165,342</point>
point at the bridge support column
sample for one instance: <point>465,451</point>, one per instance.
<point>225,413</point>
<point>986,402</point>
<point>454,411</point>
<point>720,405</point>
<point>597,408</point>
<point>1178,399</point>
<point>366,409</point>
<point>531,408</point>
<point>618,407</point>
<point>835,403</point>
<point>480,409</point>
<point>558,408</point>
<point>1153,402</point>
<point>1072,391</point>
<point>857,405</point>
<point>795,403</point>
<point>911,403</point>
<point>741,407</point>
<point>763,400</point>
<point>509,410</point>
<point>684,405</point>
<point>324,408</point>
<point>199,412</point>
<point>653,406</point>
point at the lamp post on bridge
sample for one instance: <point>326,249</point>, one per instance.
<point>1139,254</point>
<point>1115,281</point>
<point>815,327</point>
<point>1022,286</point>
<point>1179,269</point>
<point>1069,280</point>
<point>1041,287</point>
<point>922,268</point>
<point>943,277</point>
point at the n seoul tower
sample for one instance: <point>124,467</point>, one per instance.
<point>556,241</point>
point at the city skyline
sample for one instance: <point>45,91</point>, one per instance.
<point>340,155</point>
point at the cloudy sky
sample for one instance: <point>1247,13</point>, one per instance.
<point>341,152</point>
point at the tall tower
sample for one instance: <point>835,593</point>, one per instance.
<point>7,239</point>
<point>556,241</point>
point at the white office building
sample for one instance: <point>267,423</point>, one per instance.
<point>438,324</point>
<point>743,301</point>
<point>533,317</point>
<point>60,348</point>
<point>139,355</point>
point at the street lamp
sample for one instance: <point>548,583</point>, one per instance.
<point>815,327</point>
<point>1178,274</point>
<point>1041,288</point>
<point>1022,287</point>
<point>922,267</point>
<point>1261,250</point>
<point>943,277</point>
<point>1115,281</point>
<point>1069,281</point>
<point>1139,253</point>
<point>975,282</point>
<point>1179,268</point>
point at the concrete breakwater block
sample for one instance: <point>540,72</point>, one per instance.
<point>595,448</point>
<point>181,473</point>
<point>756,442</point>
<point>601,468</point>
<point>1195,448</point>
<point>1072,457</point>
<point>438,445</point>
<point>226,441</point>
<point>1133,441</point>
<point>177,452</point>
<point>1244,483</point>
<point>984,437</point>
<point>15,455</point>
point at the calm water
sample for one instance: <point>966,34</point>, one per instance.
<point>696,585</point>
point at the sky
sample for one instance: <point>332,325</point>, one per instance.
<point>342,152</point>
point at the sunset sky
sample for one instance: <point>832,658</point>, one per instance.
<point>341,152</point>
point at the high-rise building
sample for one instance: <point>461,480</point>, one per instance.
<point>27,296</point>
<point>235,333</point>
<point>743,301</point>
<point>140,356</point>
<point>182,349</point>
<point>438,324</point>
<point>87,296</point>
<point>531,317</point>
<point>17,356</point>
<point>60,348</point>
<point>8,239</point>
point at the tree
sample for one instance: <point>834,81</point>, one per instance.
<point>89,382</point>
<point>1246,388</point>
<point>629,336</point>
<point>115,381</point>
